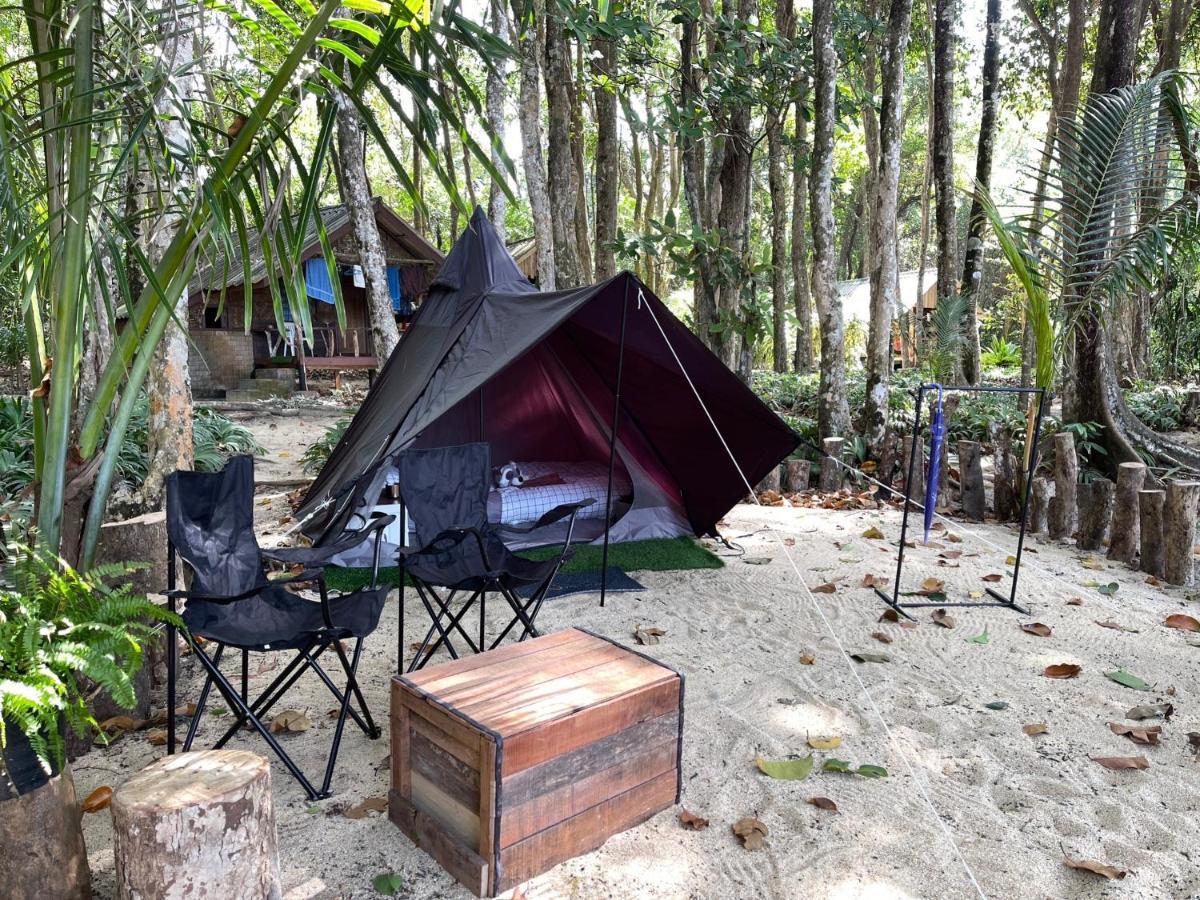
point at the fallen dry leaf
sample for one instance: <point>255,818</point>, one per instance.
<point>648,635</point>
<point>290,720</point>
<point>889,615</point>
<point>1182,622</point>
<point>1036,628</point>
<point>1194,741</point>
<point>825,743</point>
<point>691,821</point>
<point>992,577</point>
<point>1092,562</point>
<point>1116,626</point>
<point>188,709</point>
<point>953,538</point>
<point>97,799</point>
<point>931,585</point>
<point>881,637</point>
<point>827,588</point>
<point>751,832</point>
<point>943,618</point>
<point>1139,734</point>
<point>950,554</point>
<point>120,724</point>
<point>807,659</point>
<point>1151,711</point>
<point>371,804</point>
<point>823,803</point>
<point>1096,868</point>
<point>1035,728</point>
<point>157,737</point>
<point>1120,763</point>
<point>1154,581</point>
<point>871,581</point>
<point>1062,670</point>
<point>1075,601</point>
<point>873,534</point>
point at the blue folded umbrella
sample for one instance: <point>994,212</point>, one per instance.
<point>937,437</point>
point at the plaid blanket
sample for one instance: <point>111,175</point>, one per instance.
<point>580,481</point>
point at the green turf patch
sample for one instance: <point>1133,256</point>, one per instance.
<point>658,555</point>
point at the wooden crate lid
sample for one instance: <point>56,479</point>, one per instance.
<point>523,685</point>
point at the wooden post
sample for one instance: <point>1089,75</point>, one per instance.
<point>1125,528</point>
<point>199,826</point>
<point>831,473</point>
<point>1039,504</point>
<point>42,855</point>
<point>1095,512</point>
<point>1066,481</point>
<point>770,482</point>
<point>798,474</point>
<point>912,470</point>
<point>1150,522</point>
<point>1191,407</point>
<point>1179,531</point>
<point>970,476</point>
<point>1004,474</point>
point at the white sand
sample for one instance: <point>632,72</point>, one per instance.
<point>1011,801</point>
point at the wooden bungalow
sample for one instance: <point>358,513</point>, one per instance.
<point>225,357</point>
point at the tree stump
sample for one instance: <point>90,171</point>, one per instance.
<point>1125,528</point>
<point>199,826</point>
<point>1179,531</point>
<point>1004,474</point>
<point>1039,504</point>
<point>1150,525</point>
<point>1066,482</point>
<point>912,470</point>
<point>42,855</point>
<point>1191,407</point>
<point>831,472</point>
<point>798,474</point>
<point>970,477</point>
<point>1095,500</point>
<point>771,481</point>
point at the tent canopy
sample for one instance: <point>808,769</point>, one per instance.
<point>490,358</point>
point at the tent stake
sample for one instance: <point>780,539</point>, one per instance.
<point>612,441</point>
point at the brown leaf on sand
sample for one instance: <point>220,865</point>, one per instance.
<point>1194,741</point>
<point>1120,763</point>
<point>873,534</point>
<point>931,585</point>
<point>157,737</point>
<point>992,577</point>
<point>1062,670</point>
<point>751,832</point>
<point>290,720</point>
<point>1182,622</point>
<point>648,635</point>
<point>691,821</point>
<point>1116,626</point>
<point>371,804</point>
<point>823,803</point>
<point>1075,601</point>
<point>871,581</point>
<point>120,724</point>
<point>889,615</point>
<point>953,538</point>
<point>807,659</point>
<point>1035,729</point>
<point>950,554</point>
<point>881,637</point>
<point>1036,628</point>
<point>1151,711</point>
<point>97,800</point>
<point>1096,868</point>
<point>943,618</point>
<point>1139,734</point>
<point>827,588</point>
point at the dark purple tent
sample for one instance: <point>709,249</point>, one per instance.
<point>490,358</point>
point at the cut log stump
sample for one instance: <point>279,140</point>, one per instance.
<point>912,471</point>
<point>798,471</point>
<point>831,471</point>
<point>1126,532</point>
<point>771,482</point>
<point>1005,499</point>
<point>970,476</point>
<point>1066,482</point>
<point>1179,531</point>
<point>1095,512</point>
<point>1153,558</point>
<point>42,856</point>
<point>1039,504</point>
<point>199,826</point>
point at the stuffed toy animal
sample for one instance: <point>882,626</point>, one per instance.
<point>509,475</point>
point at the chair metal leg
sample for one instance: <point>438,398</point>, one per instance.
<point>482,607</point>
<point>454,623</point>
<point>245,675</point>
<point>351,687</point>
<point>272,695</point>
<point>203,701</point>
<point>368,727</point>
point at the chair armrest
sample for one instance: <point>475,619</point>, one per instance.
<point>552,516</point>
<point>315,557</point>
<point>456,534</point>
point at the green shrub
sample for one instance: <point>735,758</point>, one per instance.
<point>1159,407</point>
<point>315,456</point>
<point>1001,354</point>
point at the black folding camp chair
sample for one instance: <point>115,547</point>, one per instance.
<point>445,491</point>
<point>232,603</point>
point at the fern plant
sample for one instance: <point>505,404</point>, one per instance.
<point>57,625</point>
<point>315,456</point>
<point>946,327</point>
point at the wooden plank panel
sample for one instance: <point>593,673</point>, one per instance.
<point>519,822</point>
<point>430,712</point>
<point>561,697</point>
<point>507,685</point>
<point>460,821</point>
<point>425,678</point>
<point>584,832</point>
<point>551,739</point>
<point>451,776</point>
<point>467,753</point>
<point>487,797</point>
<point>400,759</point>
<point>461,862</point>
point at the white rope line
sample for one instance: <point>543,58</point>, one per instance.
<point>919,780</point>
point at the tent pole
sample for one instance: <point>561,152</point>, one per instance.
<point>612,441</point>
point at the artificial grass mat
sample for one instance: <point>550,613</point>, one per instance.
<point>657,555</point>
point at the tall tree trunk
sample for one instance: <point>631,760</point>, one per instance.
<point>973,258</point>
<point>833,410</point>
<point>801,290</point>
<point>777,187</point>
<point>885,267</point>
<point>169,383</point>
<point>579,173</point>
<point>926,187</point>
<point>943,149</point>
<point>560,159</point>
<point>695,178</point>
<point>497,88</point>
<point>526,16</point>
<point>607,159</point>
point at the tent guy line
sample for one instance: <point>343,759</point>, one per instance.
<point>919,780</point>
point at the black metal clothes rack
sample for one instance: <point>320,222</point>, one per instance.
<point>997,599</point>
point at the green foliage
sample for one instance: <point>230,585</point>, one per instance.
<point>56,626</point>
<point>1087,442</point>
<point>1001,354</point>
<point>315,456</point>
<point>947,338</point>
<point>1161,407</point>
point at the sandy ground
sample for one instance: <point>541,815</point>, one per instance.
<point>1012,803</point>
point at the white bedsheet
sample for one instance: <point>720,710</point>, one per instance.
<point>581,481</point>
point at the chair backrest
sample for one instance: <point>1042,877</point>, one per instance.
<point>446,487</point>
<point>210,520</point>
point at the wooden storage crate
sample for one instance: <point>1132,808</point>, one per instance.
<point>507,763</point>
